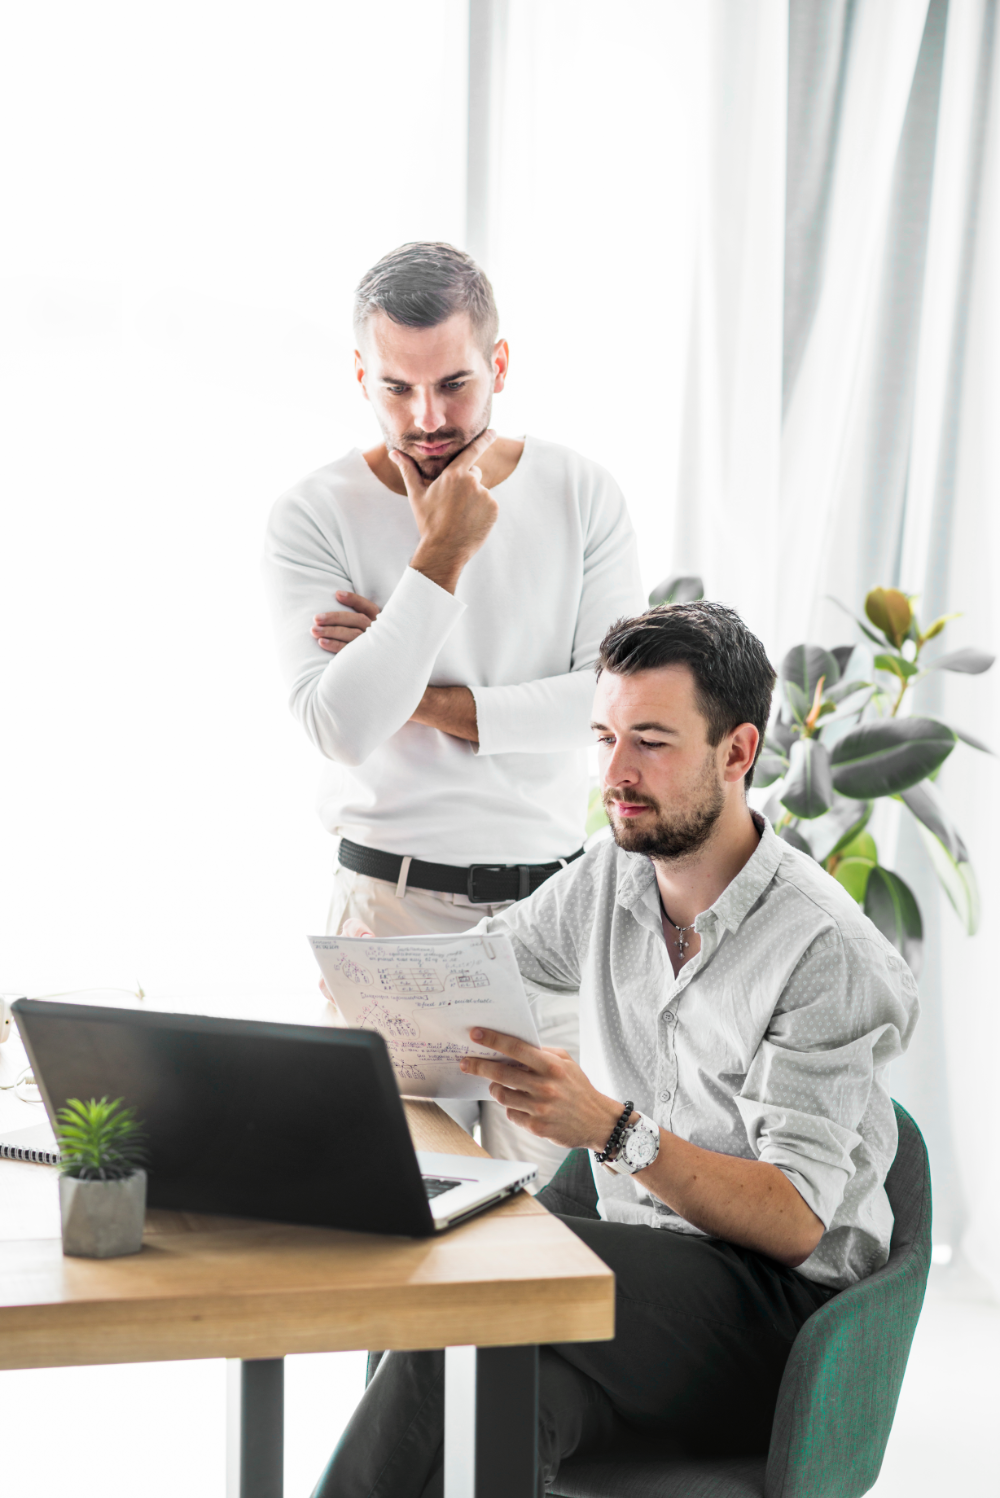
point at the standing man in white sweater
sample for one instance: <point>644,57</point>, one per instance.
<point>439,601</point>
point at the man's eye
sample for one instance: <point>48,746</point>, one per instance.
<point>652,743</point>
<point>454,384</point>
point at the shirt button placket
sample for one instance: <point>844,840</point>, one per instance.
<point>668,1070</point>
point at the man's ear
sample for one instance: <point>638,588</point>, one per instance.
<point>501,363</point>
<point>359,372</point>
<point>743,743</point>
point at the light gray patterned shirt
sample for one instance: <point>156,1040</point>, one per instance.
<point>771,1043</point>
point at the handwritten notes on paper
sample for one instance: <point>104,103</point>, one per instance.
<point>423,995</point>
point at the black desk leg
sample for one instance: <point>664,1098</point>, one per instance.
<point>256,1457</point>
<point>507,1422</point>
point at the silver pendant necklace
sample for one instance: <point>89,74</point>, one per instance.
<point>682,942</point>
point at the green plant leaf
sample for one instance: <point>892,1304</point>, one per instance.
<point>99,1141</point>
<point>890,905</point>
<point>852,706</point>
<point>805,664</point>
<point>853,874</point>
<point>928,808</point>
<point>947,853</point>
<point>781,735</point>
<point>844,820</point>
<point>769,767</point>
<point>860,846</point>
<point>845,689</point>
<point>881,759</point>
<point>808,789</point>
<point>677,589</point>
<point>597,817</point>
<point>794,839</point>
<point>973,742</point>
<point>878,640</point>
<point>797,700</point>
<point>933,630</point>
<point>969,661</point>
<point>891,612</point>
<point>897,665</point>
<point>958,880</point>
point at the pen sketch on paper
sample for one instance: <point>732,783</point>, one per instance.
<point>423,995</point>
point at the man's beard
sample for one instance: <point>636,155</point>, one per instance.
<point>672,836</point>
<point>431,467</point>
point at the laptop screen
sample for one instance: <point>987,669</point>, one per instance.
<point>291,1123</point>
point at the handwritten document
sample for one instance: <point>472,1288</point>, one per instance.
<point>424,994</point>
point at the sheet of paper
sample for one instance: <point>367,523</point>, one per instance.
<point>424,994</point>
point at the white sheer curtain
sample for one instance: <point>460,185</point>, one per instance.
<point>191,193</point>
<point>752,250</point>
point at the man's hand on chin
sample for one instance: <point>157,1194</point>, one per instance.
<point>544,1091</point>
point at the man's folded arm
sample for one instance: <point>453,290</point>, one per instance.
<point>536,717</point>
<point>552,714</point>
<point>352,702</point>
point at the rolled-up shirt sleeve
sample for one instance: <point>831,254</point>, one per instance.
<point>841,1019</point>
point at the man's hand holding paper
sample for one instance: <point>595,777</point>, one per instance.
<point>424,995</point>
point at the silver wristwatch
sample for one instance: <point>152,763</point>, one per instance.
<point>640,1145</point>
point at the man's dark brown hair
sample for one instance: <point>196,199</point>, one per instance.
<point>423,284</point>
<point>733,677</point>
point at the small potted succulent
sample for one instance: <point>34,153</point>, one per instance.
<point>102,1183</point>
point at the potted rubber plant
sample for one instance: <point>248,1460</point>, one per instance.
<point>102,1180</point>
<point>838,743</point>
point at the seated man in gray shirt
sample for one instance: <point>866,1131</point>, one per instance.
<point>737,1015</point>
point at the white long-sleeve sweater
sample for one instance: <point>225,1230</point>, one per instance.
<point>521,631</point>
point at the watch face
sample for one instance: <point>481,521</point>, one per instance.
<point>641,1148</point>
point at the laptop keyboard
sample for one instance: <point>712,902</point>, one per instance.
<point>435,1186</point>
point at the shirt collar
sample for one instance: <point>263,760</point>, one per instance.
<point>636,874</point>
<point>745,890</point>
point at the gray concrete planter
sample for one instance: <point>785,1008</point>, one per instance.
<point>102,1219</point>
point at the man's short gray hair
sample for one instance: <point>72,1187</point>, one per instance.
<point>423,284</point>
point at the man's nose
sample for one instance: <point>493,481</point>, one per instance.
<point>620,768</point>
<point>428,412</point>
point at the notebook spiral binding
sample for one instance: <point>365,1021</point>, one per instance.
<point>20,1152</point>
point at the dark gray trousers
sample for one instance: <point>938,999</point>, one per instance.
<point>703,1331</point>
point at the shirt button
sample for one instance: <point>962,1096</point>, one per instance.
<point>668,1016</point>
<point>664,1097</point>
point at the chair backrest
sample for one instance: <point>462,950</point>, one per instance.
<point>841,1383</point>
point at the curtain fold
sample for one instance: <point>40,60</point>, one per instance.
<point>888,455</point>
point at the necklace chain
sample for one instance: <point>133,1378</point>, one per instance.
<point>682,945</point>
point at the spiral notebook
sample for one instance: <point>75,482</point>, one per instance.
<point>37,1144</point>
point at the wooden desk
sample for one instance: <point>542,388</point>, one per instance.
<point>226,1288</point>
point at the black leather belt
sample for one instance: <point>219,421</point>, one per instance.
<point>483,883</point>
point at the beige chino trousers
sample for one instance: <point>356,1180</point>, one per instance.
<point>422,912</point>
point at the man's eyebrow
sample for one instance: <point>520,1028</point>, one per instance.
<point>460,374</point>
<point>638,728</point>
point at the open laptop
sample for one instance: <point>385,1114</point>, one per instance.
<point>291,1123</point>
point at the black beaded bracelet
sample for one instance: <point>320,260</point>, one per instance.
<point>616,1133</point>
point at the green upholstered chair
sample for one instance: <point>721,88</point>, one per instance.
<point>841,1383</point>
